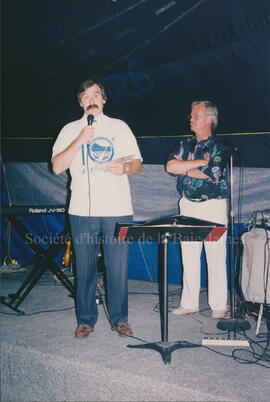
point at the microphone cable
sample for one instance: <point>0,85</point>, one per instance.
<point>90,120</point>
<point>88,178</point>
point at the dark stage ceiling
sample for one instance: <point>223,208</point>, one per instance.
<point>153,56</point>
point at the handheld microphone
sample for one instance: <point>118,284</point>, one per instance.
<point>230,146</point>
<point>90,119</point>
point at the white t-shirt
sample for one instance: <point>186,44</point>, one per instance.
<point>94,190</point>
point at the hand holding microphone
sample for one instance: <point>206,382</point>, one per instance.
<point>87,132</point>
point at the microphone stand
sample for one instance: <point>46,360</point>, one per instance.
<point>233,324</point>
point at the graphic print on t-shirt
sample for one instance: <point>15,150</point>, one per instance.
<point>101,150</point>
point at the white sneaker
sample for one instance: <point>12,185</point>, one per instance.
<point>218,313</point>
<point>182,311</point>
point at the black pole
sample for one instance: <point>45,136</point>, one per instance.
<point>231,241</point>
<point>232,324</point>
<point>164,334</point>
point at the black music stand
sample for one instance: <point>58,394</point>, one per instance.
<point>173,228</point>
<point>45,261</point>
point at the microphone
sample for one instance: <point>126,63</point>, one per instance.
<point>230,146</point>
<point>90,119</point>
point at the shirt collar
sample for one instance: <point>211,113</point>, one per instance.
<point>202,142</point>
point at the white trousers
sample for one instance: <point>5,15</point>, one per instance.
<point>213,211</point>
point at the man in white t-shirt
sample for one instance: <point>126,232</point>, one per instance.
<point>100,152</point>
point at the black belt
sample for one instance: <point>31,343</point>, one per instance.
<point>195,199</point>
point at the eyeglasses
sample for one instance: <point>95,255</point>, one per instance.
<point>198,116</point>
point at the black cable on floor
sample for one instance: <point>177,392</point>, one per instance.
<point>38,312</point>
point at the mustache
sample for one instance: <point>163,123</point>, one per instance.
<point>89,107</point>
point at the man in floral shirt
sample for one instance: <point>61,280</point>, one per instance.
<point>200,162</point>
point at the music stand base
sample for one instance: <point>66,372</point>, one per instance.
<point>165,348</point>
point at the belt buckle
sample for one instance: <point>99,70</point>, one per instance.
<point>197,200</point>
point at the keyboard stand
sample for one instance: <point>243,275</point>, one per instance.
<point>45,262</point>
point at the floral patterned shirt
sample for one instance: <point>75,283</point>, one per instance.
<point>218,156</point>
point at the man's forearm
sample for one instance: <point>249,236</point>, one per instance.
<point>197,174</point>
<point>177,166</point>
